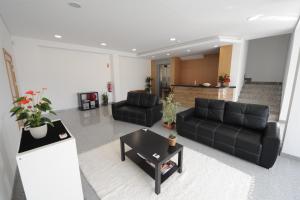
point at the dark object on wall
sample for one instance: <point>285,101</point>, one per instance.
<point>88,100</point>
<point>240,129</point>
<point>139,108</point>
<point>148,84</point>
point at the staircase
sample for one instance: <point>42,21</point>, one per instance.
<point>265,94</point>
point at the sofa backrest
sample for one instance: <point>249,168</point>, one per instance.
<point>209,109</point>
<point>142,99</point>
<point>247,115</point>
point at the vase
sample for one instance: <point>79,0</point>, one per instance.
<point>172,141</point>
<point>39,132</point>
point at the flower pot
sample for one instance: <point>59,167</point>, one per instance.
<point>169,126</point>
<point>172,141</point>
<point>39,132</point>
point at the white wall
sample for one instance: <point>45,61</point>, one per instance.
<point>133,74</point>
<point>238,65</point>
<point>266,59</point>
<point>67,69</point>
<point>9,132</point>
<point>290,110</point>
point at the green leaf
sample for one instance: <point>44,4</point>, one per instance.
<point>46,100</point>
<point>22,115</point>
<point>52,112</point>
<point>16,111</point>
<point>47,120</point>
<point>19,99</point>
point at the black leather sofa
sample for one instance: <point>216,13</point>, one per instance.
<point>139,108</point>
<point>236,128</point>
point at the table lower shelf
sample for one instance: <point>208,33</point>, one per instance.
<point>132,155</point>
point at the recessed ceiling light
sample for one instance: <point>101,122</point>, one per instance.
<point>133,49</point>
<point>168,54</point>
<point>57,36</point>
<point>103,44</point>
<point>74,4</point>
<point>255,17</point>
<point>188,50</point>
<point>153,56</point>
<point>172,39</point>
<point>215,46</point>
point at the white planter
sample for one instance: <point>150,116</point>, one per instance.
<point>39,132</point>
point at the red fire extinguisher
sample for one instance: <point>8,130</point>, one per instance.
<point>109,86</point>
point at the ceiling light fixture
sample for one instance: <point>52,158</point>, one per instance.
<point>103,44</point>
<point>57,36</point>
<point>74,4</point>
<point>215,46</point>
<point>172,39</point>
<point>255,17</point>
<point>168,54</point>
<point>133,49</point>
<point>188,50</point>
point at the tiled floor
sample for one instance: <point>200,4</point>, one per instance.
<point>97,127</point>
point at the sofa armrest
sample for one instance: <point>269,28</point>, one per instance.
<point>185,114</point>
<point>153,114</point>
<point>182,116</point>
<point>115,106</point>
<point>270,145</point>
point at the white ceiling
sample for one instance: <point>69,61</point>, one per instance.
<point>146,25</point>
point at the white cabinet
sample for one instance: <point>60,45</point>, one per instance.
<point>49,166</point>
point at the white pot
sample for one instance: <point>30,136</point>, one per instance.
<point>39,132</point>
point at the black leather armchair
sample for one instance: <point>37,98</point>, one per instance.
<point>240,129</point>
<point>139,108</point>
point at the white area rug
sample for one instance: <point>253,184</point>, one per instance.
<point>202,178</point>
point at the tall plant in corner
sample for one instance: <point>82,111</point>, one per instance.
<point>30,109</point>
<point>169,116</point>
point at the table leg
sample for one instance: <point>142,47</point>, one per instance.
<point>157,178</point>
<point>180,157</point>
<point>122,150</point>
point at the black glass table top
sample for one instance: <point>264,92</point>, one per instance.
<point>28,142</point>
<point>148,143</point>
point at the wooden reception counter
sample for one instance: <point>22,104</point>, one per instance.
<point>186,94</point>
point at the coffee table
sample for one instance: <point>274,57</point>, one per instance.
<point>146,143</point>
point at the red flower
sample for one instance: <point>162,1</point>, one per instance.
<point>24,101</point>
<point>29,92</point>
<point>29,107</point>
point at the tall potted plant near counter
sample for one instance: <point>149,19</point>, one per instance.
<point>30,109</point>
<point>169,116</point>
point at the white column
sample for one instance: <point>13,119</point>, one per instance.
<point>115,62</point>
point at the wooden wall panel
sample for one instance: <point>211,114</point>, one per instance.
<point>153,76</point>
<point>202,70</point>
<point>175,70</point>
<point>225,60</point>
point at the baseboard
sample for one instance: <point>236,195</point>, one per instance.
<point>290,156</point>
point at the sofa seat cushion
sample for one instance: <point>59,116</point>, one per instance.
<point>227,134</point>
<point>249,141</point>
<point>209,109</point>
<point>248,115</point>
<point>190,126</point>
<point>130,113</point>
<point>133,98</point>
<point>207,129</point>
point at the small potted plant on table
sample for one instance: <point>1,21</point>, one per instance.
<point>169,116</point>
<point>224,79</point>
<point>30,109</point>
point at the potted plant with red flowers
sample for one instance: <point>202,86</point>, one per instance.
<point>30,108</point>
<point>224,79</point>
